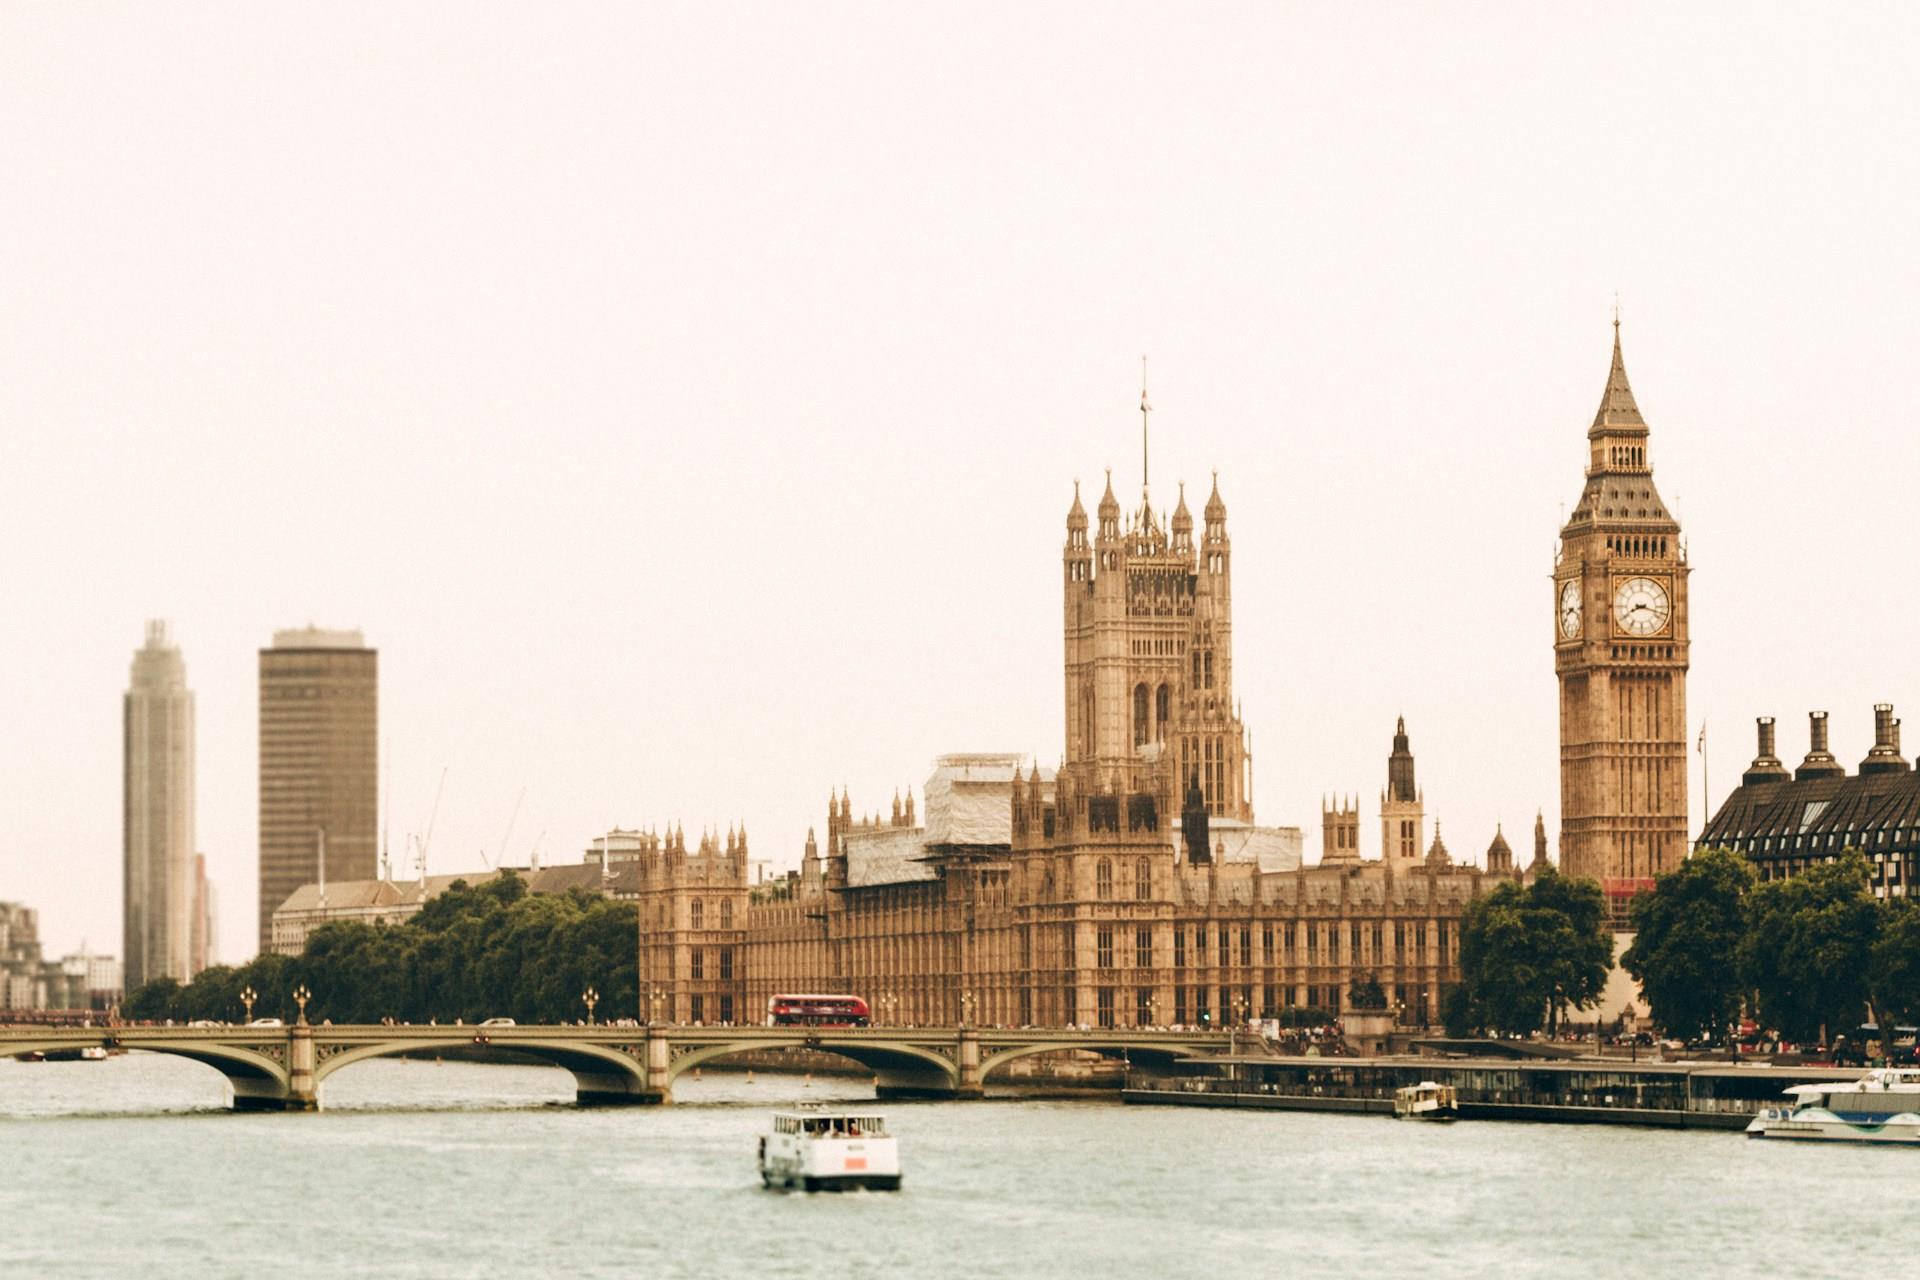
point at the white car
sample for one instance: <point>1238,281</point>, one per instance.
<point>499,1022</point>
<point>266,1022</point>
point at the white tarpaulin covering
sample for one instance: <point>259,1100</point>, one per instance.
<point>969,801</point>
<point>1273,848</point>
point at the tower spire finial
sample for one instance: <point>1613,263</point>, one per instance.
<point>1145,409</point>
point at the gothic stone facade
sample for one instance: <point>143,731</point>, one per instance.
<point>1621,654</point>
<point>1103,895</point>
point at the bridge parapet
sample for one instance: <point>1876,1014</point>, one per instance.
<point>284,1068</point>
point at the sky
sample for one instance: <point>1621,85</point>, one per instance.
<point>686,400</point>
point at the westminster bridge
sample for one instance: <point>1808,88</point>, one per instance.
<point>282,1068</point>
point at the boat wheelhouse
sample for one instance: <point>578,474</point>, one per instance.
<point>820,1150</point>
<point>1427,1100</point>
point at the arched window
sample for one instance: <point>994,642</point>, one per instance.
<point>697,914</point>
<point>1143,880</point>
<point>726,913</point>
<point>1162,711</point>
<point>1103,880</point>
<point>1139,714</point>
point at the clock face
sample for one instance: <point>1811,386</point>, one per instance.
<point>1569,609</point>
<point>1640,606</point>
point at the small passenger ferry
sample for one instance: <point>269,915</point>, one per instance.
<point>1881,1106</point>
<point>1426,1101</point>
<point>817,1150</point>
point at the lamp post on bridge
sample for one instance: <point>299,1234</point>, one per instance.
<point>966,1007</point>
<point>300,997</point>
<point>592,998</point>
<point>247,996</point>
<point>654,1006</point>
<point>887,1004</point>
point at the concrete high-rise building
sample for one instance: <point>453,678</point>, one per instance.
<point>319,763</point>
<point>1620,650</point>
<point>206,917</point>
<point>157,832</point>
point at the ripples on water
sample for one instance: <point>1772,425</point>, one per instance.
<point>134,1167</point>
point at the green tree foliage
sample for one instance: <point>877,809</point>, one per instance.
<point>1895,962</point>
<point>473,952</point>
<point>1808,950</point>
<point>1688,932</point>
<point>1366,992</point>
<point>1458,1014</point>
<point>1529,954</point>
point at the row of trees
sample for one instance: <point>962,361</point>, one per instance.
<point>1808,957</point>
<point>1805,956</point>
<point>473,952</point>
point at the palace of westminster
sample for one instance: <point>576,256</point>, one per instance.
<point>1132,885</point>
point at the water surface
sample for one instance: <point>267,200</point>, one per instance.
<point>134,1167</point>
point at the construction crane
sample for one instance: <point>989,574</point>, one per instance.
<point>500,856</point>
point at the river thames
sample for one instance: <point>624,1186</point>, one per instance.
<point>132,1167</point>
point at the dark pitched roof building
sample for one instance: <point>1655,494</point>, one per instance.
<point>1786,822</point>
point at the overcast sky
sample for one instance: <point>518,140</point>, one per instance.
<point>686,402</point>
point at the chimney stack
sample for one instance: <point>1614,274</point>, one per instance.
<point>1819,762</point>
<point>1885,756</point>
<point>1766,765</point>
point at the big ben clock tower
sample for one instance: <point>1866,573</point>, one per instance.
<point>1620,651</point>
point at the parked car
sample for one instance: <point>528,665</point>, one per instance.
<point>266,1022</point>
<point>499,1022</point>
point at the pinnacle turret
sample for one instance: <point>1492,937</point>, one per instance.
<point>1216,510</point>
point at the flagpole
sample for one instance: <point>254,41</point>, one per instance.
<point>1706,811</point>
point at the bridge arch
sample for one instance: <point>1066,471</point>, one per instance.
<point>994,1061</point>
<point>259,1081</point>
<point>601,1073</point>
<point>901,1069</point>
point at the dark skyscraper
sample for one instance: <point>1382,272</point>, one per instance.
<point>319,762</point>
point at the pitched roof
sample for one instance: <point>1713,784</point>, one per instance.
<point>1817,814</point>
<point>1617,407</point>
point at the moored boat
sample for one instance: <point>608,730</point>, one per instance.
<point>1882,1106</point>
<point>1425,1101</point>
<point>821,1150</point>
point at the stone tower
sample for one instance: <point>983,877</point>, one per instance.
<point>1340,831</point>
<point>1620,651</point>
<point>158,835</point>
<point>1403,817</point>
<point>1149,651</point>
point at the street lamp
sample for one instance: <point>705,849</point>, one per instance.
<point>247,996</point>
<point>1153,1009</point>
<point>966,1006</point>
<point>300,997</point>
<point>592,998</point>
<point>654,996</point>
<point>887,1004</point>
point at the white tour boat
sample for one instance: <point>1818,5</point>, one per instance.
<point>829,1151</point>
<point>1425,1101</point>
<point>1881,1106</point>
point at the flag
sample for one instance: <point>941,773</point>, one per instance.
<point>1701,746</point>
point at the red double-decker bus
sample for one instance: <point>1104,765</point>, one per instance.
<point>817,1011</point>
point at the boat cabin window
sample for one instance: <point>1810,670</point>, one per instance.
<point>843,1127</point>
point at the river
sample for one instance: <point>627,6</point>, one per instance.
<point>132,1167</point>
